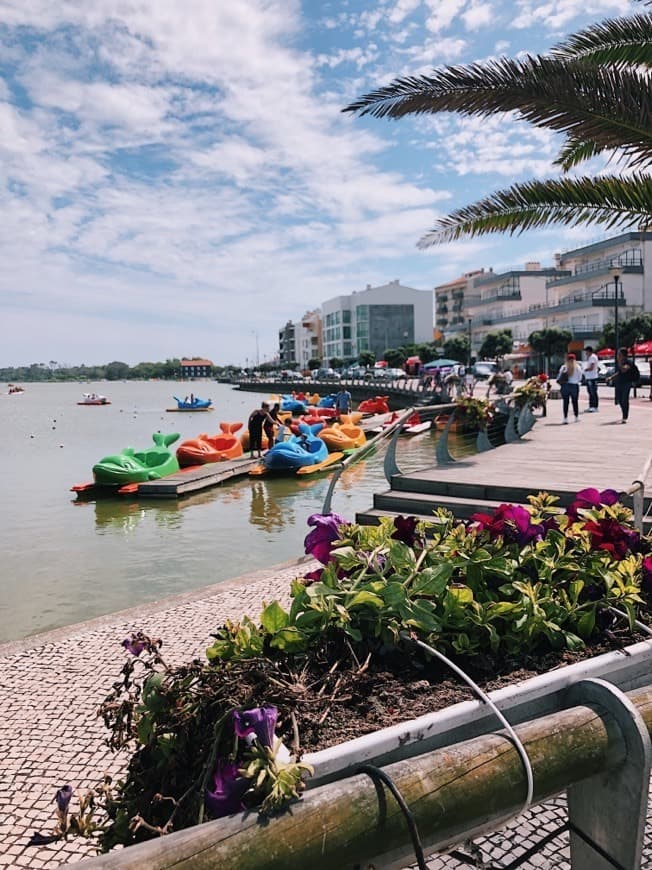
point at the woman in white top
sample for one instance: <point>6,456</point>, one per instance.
<point>569,379</point>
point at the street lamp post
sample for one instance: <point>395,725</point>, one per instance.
<point>470,321</point>
<point>257,350</point>
<point>615,273</point>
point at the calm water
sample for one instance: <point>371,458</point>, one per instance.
<point>65,560</point>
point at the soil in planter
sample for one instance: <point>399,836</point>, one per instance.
<point>334,701</point>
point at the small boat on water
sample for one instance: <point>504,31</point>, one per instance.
<point>414,425</point>
<point>192,404</point>
<point>137,466</point>
<point>377,405</point>
<point>211,448</point>
<point>345,435</point>
<point>297,452</point>
<point>93,399</point>
<point>15,390</point>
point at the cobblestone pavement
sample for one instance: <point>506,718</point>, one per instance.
<point>49,733</point>
<point>52,686</point>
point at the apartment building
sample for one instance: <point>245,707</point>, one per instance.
<point>287,353</point>
<point>307,338</point>
<point>374,319</point>
<point>451,313</point>
<point>196,368</point>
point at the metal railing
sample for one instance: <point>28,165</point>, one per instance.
<point>637,493</point>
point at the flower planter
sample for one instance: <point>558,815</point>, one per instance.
<point>627,669</point>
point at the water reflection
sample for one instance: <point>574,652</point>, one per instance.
<point>125,515</point>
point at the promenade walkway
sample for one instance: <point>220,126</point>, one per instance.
<point>52,684</point>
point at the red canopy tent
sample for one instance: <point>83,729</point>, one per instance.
<point>606,353</point>
<point>643,349</point>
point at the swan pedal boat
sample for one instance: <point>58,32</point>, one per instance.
<point>344,435</point>
<point>298,451</point>
<point>377,405</point>
<point>137,466</point>
<point>211,448</point>
<point>195,405</point>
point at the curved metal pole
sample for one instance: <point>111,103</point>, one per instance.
<point>526,419</point>
<point>390,465</point>
<point>442,452</point>
<point>482,442</point>
<point>510,428</point>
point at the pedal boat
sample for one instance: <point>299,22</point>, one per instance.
<point>298,451</point>
<point>343,436</point>
<point>211,448</point>
<point>137,466</point>
<point>377,405</point>
<point>195,405</point>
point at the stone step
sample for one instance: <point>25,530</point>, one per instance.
<point>420,483</point>
<point>423,504</point>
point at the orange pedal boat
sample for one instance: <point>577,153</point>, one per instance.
<point>211,448</point>
<point>345,435</point>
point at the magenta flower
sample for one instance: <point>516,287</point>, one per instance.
<point>225,798</point>
<point>318,542</point>
<point>62,798</point>
<point>405,530</point>
<point>586,499</point>
<point>260,721</point>
<point>609,535</point>
<point>311,577</point>
<point>134,644</point>
<point>646,581</point>
<point>513,522</point>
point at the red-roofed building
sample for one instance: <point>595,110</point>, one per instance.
<point>196,368</point>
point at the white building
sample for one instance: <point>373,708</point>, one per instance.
<point>376,319</point>
<point>307,338</point>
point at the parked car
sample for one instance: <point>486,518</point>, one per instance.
<point>482,371</point>
<point>354,372</point>
<point>389,374</point>
<point>325,375</point>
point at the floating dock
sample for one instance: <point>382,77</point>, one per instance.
<point>196,478</point>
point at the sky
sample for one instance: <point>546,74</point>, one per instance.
<point>178,178</point>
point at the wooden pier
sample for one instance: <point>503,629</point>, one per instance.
<point>196,478</point>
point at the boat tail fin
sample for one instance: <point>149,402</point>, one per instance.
<point>230,428</point>
<point>162,440</point>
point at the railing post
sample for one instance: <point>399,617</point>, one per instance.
<point>526,420</point>
<point>510,429</point>
<point>482,442</point>
<point>607,812</point>
<point>442,453</point>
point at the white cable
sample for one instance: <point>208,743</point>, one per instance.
<point>518,745</point>
<point>640,625</point>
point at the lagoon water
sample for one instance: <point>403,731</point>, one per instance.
<point>66,560</point>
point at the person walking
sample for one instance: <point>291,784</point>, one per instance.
<point>591,378</point>
<point>569,380</point>
<point>622,379</point>
<point>343,401</point>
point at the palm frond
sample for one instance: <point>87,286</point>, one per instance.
<point>608,106</point>
<point>618,42</point>
<point>575,151</point>
<point>608,201</point>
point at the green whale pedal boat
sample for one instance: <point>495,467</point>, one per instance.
<point>137,466</point>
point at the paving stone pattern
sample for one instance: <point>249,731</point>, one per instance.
<point>50,734</point>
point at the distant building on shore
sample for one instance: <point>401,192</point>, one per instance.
<point>196,368</point>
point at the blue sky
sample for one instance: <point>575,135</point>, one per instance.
<point>177,179</point>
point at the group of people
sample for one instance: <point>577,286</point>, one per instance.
<point>570,377</point>
<point>459,380</point>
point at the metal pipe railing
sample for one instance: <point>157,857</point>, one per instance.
<point>637,492</point>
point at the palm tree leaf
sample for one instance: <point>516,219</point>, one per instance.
<point>617,41</point>
<point>575,151</point>
<point>608,201</point>
<point>610,107</point>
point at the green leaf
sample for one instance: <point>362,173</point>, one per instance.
<point>144,729</point>
<point>288,639</point>
<point>586,623</point>
<point>365,598</point>
<point>433,580</point>
<point>273,618</point>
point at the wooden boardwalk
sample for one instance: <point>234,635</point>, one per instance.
<point>196,478</point>
<point>560,459</point>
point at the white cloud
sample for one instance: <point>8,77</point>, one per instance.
<point>557,14</point>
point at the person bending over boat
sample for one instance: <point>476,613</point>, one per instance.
<point>258,418</point>
<point>268,427</point>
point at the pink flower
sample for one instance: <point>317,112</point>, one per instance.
<point>513,522</point>
<point>646,582</point>
<point>609,535</point>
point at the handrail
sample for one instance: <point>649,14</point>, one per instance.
<point>359,454</point>
<point>637,492</point>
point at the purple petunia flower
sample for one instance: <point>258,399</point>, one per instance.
<point>586,499</point>
<point>62,798</point>
<point>134,645</point>
<point>260,721</point>
<point>405,530</point>
<point>311,577</point>
<point>225,798</point>
<point>646,581</point>
<point>318,542</point>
